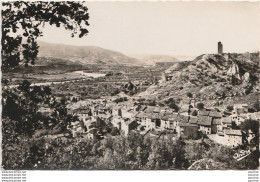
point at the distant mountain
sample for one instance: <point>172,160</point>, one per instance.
<point>84,54</point>
<point>153,59</point>
<point>213,79</point>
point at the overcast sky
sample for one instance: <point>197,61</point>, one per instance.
<point>169,28</point>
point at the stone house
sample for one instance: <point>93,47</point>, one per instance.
<point>116,111</point>
<point>233,137</point>
<point>204,123</point>
<point>128,125</point>
<point>216,126</point>
<point>226,122</point>
<point>187,130</point>
<point>153,121</point>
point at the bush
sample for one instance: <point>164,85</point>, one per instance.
<point>230,108</point>
<point>189,94</point>
<point>200,105</point>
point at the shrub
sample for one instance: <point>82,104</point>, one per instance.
<point>189,94</point>
<point>200,105</point>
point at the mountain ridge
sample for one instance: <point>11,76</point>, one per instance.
<point>84,54</point>
<point>97,55</point>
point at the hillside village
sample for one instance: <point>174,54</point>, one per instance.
<point>219,124</point>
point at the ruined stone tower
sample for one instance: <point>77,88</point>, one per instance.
<point>220,48</point>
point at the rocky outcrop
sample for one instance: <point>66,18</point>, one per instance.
<point>212,78</point>
<point>234,71</point>
<point>246,77</point>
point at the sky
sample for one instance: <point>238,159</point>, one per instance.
<point>167,28</point>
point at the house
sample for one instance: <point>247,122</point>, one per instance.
<point>229,137</point>
<point>233,137</point>
<point>83,113</point>
<point>76,129</point>
<point>181,120</point>
<point>187,130</point>
<point>141,118</point>
<point>92,134</point>
<point>193,120</point>
<point>128,125</point>
<point>203,113</point>
<point>240,108</point>
<point>239,113</point>
<point>45,110</point>
<point>174,121</point>
<point>239,118</point>
<point>216,126</point>
<point>116,111</point>
<point>204,123</point>
<point>117,121</point>
<point>164,121</point>
<point>226,122</point>
<point>153,121</point>
<point>150,109</point>
<point>215,114</point>
<point>128,113</point>
<point>184,110</point>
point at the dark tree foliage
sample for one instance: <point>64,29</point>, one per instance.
<point>252,125</point>
<point>22,22</point>
<point>200,105</point>
<point>189,94</point>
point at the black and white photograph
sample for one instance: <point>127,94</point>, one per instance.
<point>147,85</point>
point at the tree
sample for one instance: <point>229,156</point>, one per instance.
<point>24,86</point>
<point>252,125</point>
<point>21,23</point>
<point>115,131</point>
<point>189,94</point>
<point>230,108</point>
<point>174,106</point>
<point>200,105</point>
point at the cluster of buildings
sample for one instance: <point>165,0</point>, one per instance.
<point>219,125</point>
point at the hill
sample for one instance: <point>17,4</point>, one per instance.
<point>153,59</point>
<point>215,80</point>
<point>84,54</point>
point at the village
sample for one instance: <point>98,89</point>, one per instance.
<point>125,114</point>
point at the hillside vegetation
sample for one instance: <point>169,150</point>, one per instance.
<point>213,79</point>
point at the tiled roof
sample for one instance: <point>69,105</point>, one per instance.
<point>149,109</point>
<point>184,109</point>
<point>173,117</point>
<point>153,115</point>
<point>129,122</point>
<point>233,132</point>
<point>165,117</point>
<point>185,119</point>
<point>187,125</point>
<point>216,121</point>
<point>193,120</point>
<point>203,113</point>
<point>156,109</point>
<point>141,115</point>
<point>117,107</point>
<point>204,120</point>
<point>215,114</point>
<point>226,120</point>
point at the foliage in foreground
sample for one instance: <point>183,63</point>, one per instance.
<point>120,153</point>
